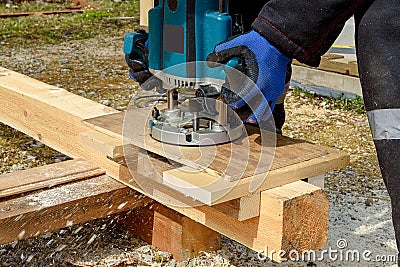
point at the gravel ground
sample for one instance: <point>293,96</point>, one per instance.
<point>94,68</point>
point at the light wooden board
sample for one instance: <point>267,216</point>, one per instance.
<point>314,77</point>
<point>46,176</point>
<point>223,160</point>
<point>292,160</point>
<point>106,145</point>
<point>77,202</point>
<point>145,6</point>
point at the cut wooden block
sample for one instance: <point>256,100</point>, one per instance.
<point>170,231</point>
<point>243,208</point>
<point>46,176</point>
<point>297,205</point>
<point>72,203</point>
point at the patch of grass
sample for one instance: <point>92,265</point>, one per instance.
<point>53,29</point>
<point>90,16</point>
<point>297,91</point>
<point>341,102</point>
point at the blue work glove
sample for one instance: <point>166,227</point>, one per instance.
<point>263,64</point>
<point>137,61</point>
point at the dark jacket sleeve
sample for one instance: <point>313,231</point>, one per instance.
<point>305,30</point>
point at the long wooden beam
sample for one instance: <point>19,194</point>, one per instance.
<point>51,115</point>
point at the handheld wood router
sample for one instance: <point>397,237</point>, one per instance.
<point>181,34</point>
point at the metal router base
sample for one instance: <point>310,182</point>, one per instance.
<point>206,137</point>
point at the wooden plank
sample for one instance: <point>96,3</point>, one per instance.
<point>145,6</point>
<point>46,12</point>
<point>106,145</point>
<point>226,160</point>
<point>315,77</point>
<point>53,96</point>
<point>77,202</point>
<point>46,176</point>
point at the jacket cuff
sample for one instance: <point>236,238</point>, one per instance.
<point>283,43</point>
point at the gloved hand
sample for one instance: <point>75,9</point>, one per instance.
<point>138,61</point>
<point>263,64</point>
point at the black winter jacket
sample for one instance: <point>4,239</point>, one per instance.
<point>305,30</point>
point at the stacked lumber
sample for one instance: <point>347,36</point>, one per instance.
<point>335,63</point>
<point>282,212</point>
<point>337,74</point>
<point>86,194</point>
